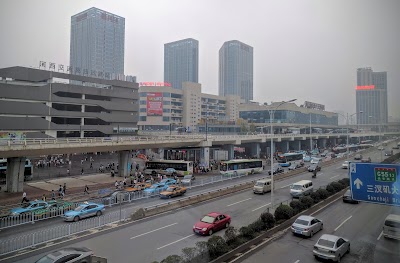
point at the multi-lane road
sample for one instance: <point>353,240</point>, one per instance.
<point>159,236</point>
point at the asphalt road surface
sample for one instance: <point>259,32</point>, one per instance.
<point>157,237</point>
<point>360,223</point>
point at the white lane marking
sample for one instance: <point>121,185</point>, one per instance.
<point>175,241</point>
<point>334,176</point>
<point>153,231</point>
<point>260,207</point>
<point>297,261</point>
<point>342,223</point>
<point>239,202</point>
<point>285,186</point>
<point>380,235</point>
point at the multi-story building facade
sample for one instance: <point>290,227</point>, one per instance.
<point>236,70</point>
<point>181,62</point>
<point>97,44</point>
<point>287,115</point>
<point>36,103</point>
<point>371,97</point>
<point>166,108</point>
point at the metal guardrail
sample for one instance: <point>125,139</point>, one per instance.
<point>162,137</point>
<point>36,238</point>
<point>127,197</point>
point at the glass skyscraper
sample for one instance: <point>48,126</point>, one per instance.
<point>97,44</point>
<point>181,62</point>
<point>371,97</point>
<point>236,70</point>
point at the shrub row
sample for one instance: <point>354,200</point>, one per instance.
<point>216,246</point>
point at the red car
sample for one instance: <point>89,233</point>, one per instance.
<point>211,223</point>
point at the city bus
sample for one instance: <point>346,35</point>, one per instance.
<point>28,173</point>
<point>181,167</point>
<point>286,159</point>
<point>241,167</point>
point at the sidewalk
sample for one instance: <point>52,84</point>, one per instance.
<point>75,185</point>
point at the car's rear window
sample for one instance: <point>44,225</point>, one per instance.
<point>326,243</point>
<point>45,259</point>
<point>390,223</point>
<point>301,222</point>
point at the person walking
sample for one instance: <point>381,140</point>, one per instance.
<point>116,185</point>
<point>86,190</point>
<point>24,199</point>
<point>53,195</point>
<point>60,190</point>
<point>44,197</point>
<point>68,172</point>
<point>82,171</point>
<point>65,188</point>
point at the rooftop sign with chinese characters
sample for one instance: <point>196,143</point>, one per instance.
<point>153,84</point>
<point>375,183</point>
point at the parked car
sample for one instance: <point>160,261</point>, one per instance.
<point>53,208</point>
<point>306,226</point>
<point>358,157</point>
<point>170,172</point>
<point>172,191</point>
<point>366,160</point>
<point>314,167</point>
<point>331,247</point>
<point>138,187</point>
<point>324,154</point>
<point>154,189</point>
<point>86,209</point>
<point>276,170</point>
<point>212,223</point>
<point>188,179</point>
<point>29,207</point>
<point>294,166</point>
<point>167,181</point>
<point>396,147</point>
<point>347,198</point>
<point>71,255</point>
<point>345,165</point>
<point>307,158</point>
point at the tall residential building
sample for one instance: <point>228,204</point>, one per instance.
<point>97,44</point>
<point>371,97</point>
<point>236,70</point>
<point>181,62</point>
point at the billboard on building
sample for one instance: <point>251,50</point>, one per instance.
<point>312,105</point>
<point>154,104</point>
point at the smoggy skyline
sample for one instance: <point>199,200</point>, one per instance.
<point>309,50</point>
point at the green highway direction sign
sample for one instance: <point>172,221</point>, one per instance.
<point>375,183</point>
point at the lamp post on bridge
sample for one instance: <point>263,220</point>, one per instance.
<point>271,119</point>
<point>379,127</point>
<point>347,117</point>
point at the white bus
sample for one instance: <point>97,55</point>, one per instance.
<point>241,167</point>
<point>182,168</point>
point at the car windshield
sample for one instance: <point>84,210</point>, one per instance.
<point>296,187</point>
<point>25,205</point>
<point>259,183</point>
<point>170,189</point>
<point>187,177</point>
<point>326,243</point>
<point>154,186</point>
<point>79,208</point>
<point>301,222</point>
<point>208,219</point>
<point>163,181</point>
<point>45,259</point>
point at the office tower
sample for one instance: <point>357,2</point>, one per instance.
<point>181,62</point>
<point>236,70</point>
<point>97,44</point>
<point>371,97</point>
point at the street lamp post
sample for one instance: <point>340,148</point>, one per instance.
<point>347,117</point>
<point>379,127</point>
<point>311,147</point>
<point>271,119</point>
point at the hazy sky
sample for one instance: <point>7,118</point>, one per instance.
<point>308,50</point>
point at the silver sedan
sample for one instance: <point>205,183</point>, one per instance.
<point>331,247</point>
<point>306,226</point>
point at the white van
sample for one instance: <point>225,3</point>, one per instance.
<point>302,188</point>
<point>391,227</point>
<point>262,186</point>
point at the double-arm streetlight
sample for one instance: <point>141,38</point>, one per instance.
<point>271,119</point>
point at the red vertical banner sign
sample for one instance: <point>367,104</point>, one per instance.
<point>154,104</point>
